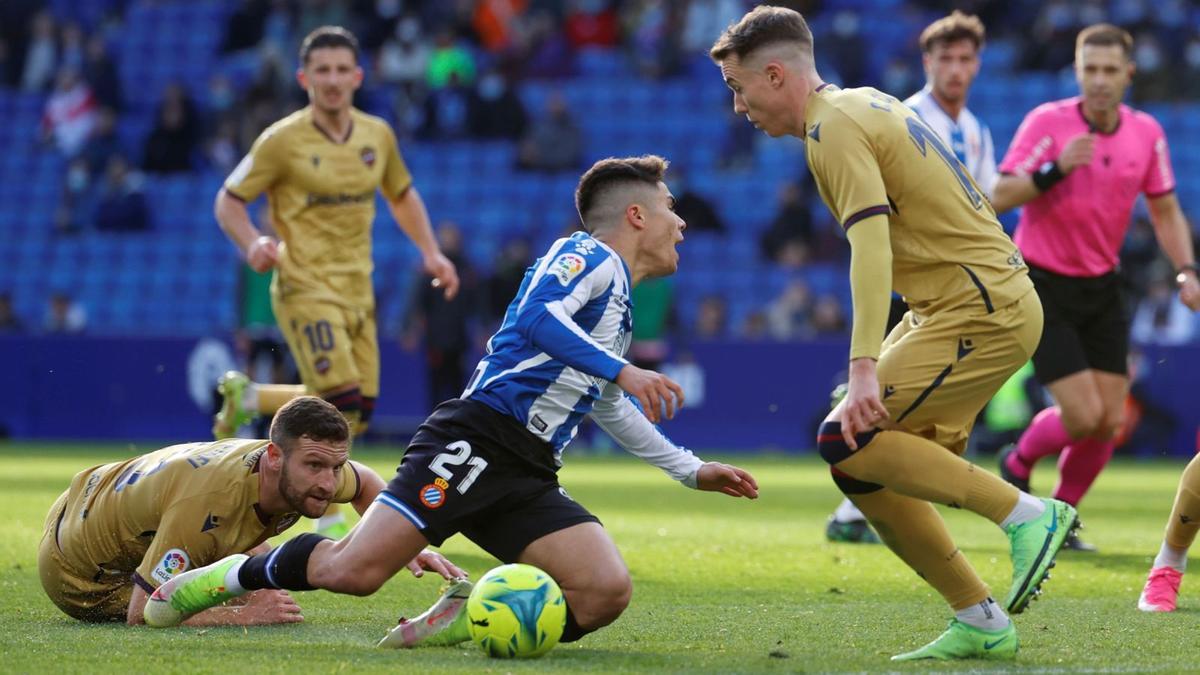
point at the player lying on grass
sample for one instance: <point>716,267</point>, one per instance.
<point>125,528</point>
<point>918,225</point>
<point>486,464</point>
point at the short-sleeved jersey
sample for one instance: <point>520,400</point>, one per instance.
<point>968,137</point>
<point>1076,228</point>
<point>322,197</point>
<point>872,155</point>
<point>174,509</point>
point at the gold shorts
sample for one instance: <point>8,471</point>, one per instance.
<point>938,372</point>
<point>332,345</point>
<point>86,599</point>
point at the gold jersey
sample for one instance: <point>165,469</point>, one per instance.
<point>872,155</point>
<point>321,193</point>
<point>171,510</point>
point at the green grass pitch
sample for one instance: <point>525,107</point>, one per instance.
<point>720,585</point>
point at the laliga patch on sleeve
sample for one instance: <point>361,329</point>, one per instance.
<point>566,267</point>
<point>173,563</point>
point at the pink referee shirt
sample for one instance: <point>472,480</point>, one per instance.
<point>1076,227</point>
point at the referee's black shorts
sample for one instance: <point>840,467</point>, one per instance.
<point>1086,325</point>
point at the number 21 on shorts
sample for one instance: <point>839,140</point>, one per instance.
<point>457,454</point>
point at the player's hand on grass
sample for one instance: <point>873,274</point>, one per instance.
<point>269,607</point>
<point>1077,152</point>
<point>262,254</point>
<point>444,274</point>
<point>863,409</point>
<point>435,562</point>
<point>653,390</point>
<point>718,477</point>
<point>1189,291</point>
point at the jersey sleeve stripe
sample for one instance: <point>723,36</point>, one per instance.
<point>357,481</point>
<point>387,499</point>
<point>146,585</point>
<point>879,210</point>
<point>236,196</point>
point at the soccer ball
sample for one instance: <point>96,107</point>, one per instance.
<point>516,611</point>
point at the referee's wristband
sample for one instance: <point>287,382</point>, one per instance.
<point>1047,176</point>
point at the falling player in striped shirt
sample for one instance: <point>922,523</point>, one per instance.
<point>486,464</point>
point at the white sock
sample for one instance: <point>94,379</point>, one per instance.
<point>847,512</point>
<point>232,584</point>
<point>334,519</point>
<point>986,615</point>
<point>1169,556</point>
<point>250,399</point>
<point>1028,507</point>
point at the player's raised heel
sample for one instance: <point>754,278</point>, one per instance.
<point>1034,545</point>
<point>232,387</point>
<point>445,623</point>
<point>189,593</point>
<point>963,641</point>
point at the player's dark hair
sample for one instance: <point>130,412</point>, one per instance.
<point>762,26</point>
<point>950,29</point>
<point>308,416</point>
<point>326,37</point>
<point>1105,35</point>
<point>611,173</point>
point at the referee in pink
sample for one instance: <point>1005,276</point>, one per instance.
<point>1077,165</point>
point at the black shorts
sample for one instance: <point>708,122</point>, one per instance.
<point>474,470</point>
<point>1087,325</point>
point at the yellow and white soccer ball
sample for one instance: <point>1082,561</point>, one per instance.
<point>516,611</point>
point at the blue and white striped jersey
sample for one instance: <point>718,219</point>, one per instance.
<point>968,138</point>
<point>561,346</point>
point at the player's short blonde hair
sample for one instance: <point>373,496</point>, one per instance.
<point>1105,35</point>
<point>950,29</point>
<point>308,416</point>
<point>760,27</point>
<point>599,181</point>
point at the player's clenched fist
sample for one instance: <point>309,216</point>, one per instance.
<point>1077,152</point>
<point>652,390</point>
<point>262,254</point>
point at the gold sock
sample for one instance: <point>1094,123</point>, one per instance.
<point>914,530</point>
<point>918,467</point>
<point>271,397</point>
<point>1185,515</point>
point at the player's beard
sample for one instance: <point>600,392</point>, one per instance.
<point>296,498</point>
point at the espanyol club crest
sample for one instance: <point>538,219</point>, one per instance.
<point>434,494</point>
<point>368,155</point>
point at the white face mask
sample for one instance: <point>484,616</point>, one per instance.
<point>491,87</point>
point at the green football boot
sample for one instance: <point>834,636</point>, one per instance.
<point>1034,545</point>
<point>232,387</point>
<point>189,593</point>
<point>963,641</point>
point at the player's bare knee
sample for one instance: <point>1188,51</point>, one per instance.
<point>602,602</point>
<point>1083,421</point>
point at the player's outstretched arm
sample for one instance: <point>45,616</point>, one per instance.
<point>1175,237</point>
<point>726,479</point>
<point>260,608</point>
<point>409,211</point>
